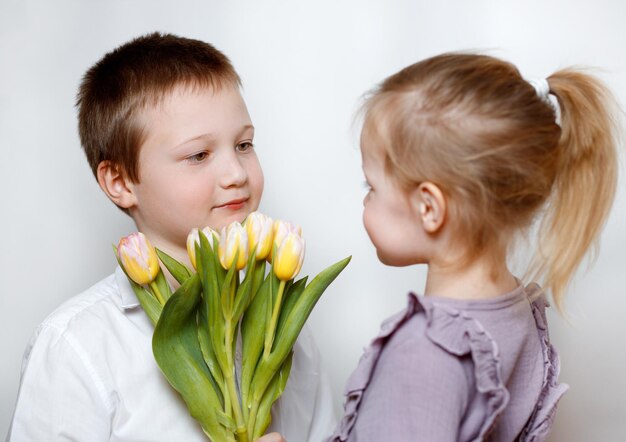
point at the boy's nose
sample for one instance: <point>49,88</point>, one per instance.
<point>232,173</point>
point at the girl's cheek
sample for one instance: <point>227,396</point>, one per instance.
<point>366,198</point>
<point>367,222</point>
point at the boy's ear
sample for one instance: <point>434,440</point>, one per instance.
<point>116,185</point>
<point>431,206</point>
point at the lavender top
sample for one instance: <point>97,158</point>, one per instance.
<point>454,370</point>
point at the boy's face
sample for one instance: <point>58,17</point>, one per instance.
<point>197,166</point>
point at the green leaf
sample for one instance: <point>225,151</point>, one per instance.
<point>163,285</point>
<point>205,257</point>
<point>259,276</point>
<point>273,392</point>
<point>220,272</point>
<point>291,297</point>
<point>234,338</point>
<point>148,302</point>
<point>244,292</point>
<point>179,271</point>
<point>304,305</point>
<point>253,327</point>
<point>226,421</point>
<point>206,265</point>
<point>177,351</point>
<point>283,376</point>
<point>228,287</point>
<point>206,346</point>
<point>286,337</point>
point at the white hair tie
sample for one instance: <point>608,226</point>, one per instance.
<point>542,88</point>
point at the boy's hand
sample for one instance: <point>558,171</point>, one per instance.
<point>271,437</point>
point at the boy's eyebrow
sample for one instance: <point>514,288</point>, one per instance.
<point>203,137</point>
<point>210,136</point>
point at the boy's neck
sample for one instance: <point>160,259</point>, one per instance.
<point>479,279</point>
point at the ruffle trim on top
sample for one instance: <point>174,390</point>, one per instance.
<point>460,334</point>
<point>360,378</point>
<point>538,427</point>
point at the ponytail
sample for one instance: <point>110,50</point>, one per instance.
<point>585,181</point>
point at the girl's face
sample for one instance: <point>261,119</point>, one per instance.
<point>390,215</point>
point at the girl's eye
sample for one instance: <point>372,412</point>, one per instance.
<point>198,157</point>
<point>245,146</point>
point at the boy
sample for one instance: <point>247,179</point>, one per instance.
<point>169,139</point>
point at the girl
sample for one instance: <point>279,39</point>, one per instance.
<point>461,154</point>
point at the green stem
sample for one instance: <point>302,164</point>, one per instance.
<point>244,406</point>
<point>269,336</point>
<point>233,289</point>
<point>227,405</point>
<point>157,292</point>
<point>252,417</point>
<point>242,431</point>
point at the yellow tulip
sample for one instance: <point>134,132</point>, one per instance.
<point>139,258</point>
<point>260,231</point>
<point>194,238</point>
<point>233,240</point>
<point>281,230</point>
<point>289,257</point>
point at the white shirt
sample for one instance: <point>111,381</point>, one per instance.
<point>89,375</point>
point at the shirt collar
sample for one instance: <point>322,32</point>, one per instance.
<point>129,299</point>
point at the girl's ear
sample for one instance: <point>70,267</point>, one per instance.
<point>116,185</point>
<point>431,206</point>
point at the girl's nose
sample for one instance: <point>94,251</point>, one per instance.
<point>232,172</point>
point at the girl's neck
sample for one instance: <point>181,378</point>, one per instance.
<point>477,280</point>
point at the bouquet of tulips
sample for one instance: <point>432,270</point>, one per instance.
<point>197,326</point>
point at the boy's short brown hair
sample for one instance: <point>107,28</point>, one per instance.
<point>115,91</point>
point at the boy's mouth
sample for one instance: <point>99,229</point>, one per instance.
<point>235,204</point>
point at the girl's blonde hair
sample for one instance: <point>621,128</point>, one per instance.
<point>472,125</point>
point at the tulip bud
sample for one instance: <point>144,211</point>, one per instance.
<point>138,258</point>
<point>281,230</point>
<point>233,239</point>
<point>289,257</point>
<point>260,229</point>
<point>194,238</point>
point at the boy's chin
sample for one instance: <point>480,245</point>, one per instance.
<point>236,216</point>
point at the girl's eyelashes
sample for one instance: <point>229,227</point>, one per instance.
<point>245,146</point>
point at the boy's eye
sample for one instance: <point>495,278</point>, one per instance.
<point>198,157</point>
<point>245,146</point>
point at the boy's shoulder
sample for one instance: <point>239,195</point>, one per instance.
<point>103,295</point>
<point>91,314</point>
<point>96,326</point>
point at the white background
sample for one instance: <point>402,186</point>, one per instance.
<point>304,66</point>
